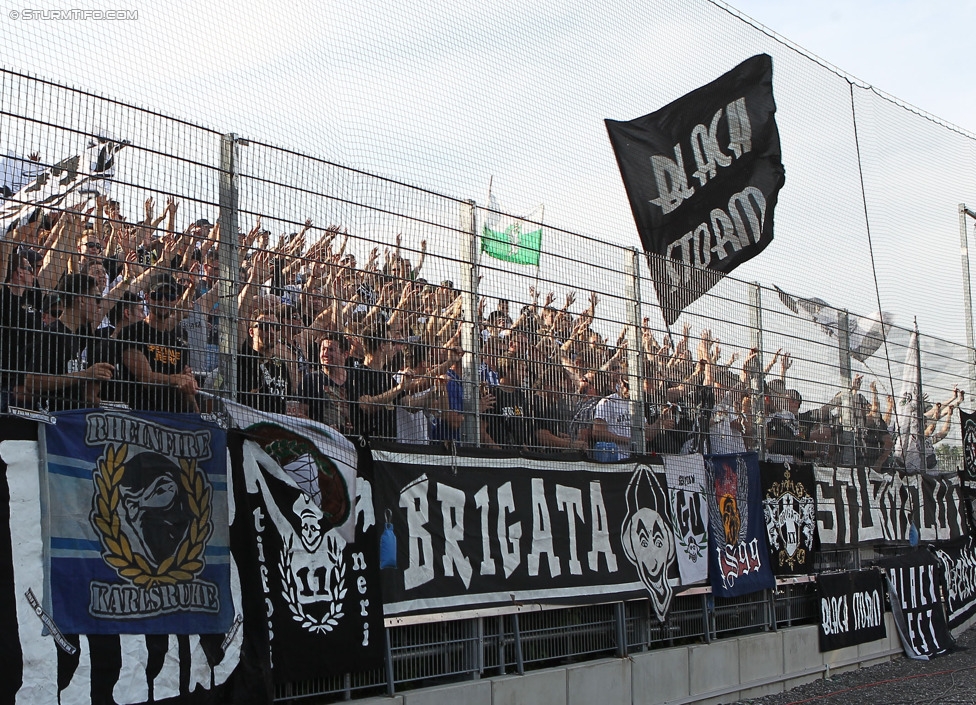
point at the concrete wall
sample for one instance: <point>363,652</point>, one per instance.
<point>722,672</point>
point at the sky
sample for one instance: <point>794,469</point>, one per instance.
<point>452,96</point>
<point>920,51</point>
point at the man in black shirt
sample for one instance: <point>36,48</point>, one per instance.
<point>372,388</point>
<point>323,392</point>
<point>61,376</point>
<point>154,357</point>
<point>509,424</point>
<point>263,381</point>
<point>108,347</point>
<point>20,319</point>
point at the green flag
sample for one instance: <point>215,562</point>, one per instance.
<point>517,241</point>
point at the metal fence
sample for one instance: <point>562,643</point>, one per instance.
<point>314,275</point>
<point>420,655</point>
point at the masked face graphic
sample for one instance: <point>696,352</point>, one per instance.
<point>647,538</point>
<point>154,512</point>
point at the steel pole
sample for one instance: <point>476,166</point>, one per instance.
<point>967,296</point>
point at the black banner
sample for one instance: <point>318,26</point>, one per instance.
<point>311,601</point>
<point>852,608</point>
<point>791,516</point>
<point>958,560</point>
<point>702,175</point>
<point>858,505</point>
<point>914,583</point>
<point>737,549</point>
<point>477,532</point>
<point>968,424</point>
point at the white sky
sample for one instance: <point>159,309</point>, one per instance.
<point>447,95</point>
<point>918,50</point>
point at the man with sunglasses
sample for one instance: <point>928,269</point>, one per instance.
<point>263,381</point>
<point>154,368</point>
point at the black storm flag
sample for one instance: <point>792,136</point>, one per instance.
<point>852,608</point>
<point>702,175</point>
<point>311,601</point>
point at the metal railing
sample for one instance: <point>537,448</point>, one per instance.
<point>419,655</point>
<point>251,307</point>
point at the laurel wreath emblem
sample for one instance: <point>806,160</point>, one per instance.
<point>118,552</point>
<point>335,596</point>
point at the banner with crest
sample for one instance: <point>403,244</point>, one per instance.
<point>135,525</point>
<point>312,597</point>
<point>738,553</point>
<point>790,511</point>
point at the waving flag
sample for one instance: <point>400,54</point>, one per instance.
<point>703,174</point>
<point>865,333</point>
<point>517,240</point>
<point>79,176</point>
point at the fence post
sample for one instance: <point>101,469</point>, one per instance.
<point>844,347</point>
<point>756,340</point>
<point>388,663</point>
<point>620,626</point>
<point>967,296</point>
<point>635,377</point>
<point>227,251</point>
<point>471,325</point>
<point>519,659</point>
<point>479,646</point>
<point>849,417</point>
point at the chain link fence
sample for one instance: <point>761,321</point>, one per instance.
<point>170,265</point>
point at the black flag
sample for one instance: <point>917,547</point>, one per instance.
<point>968,423</point>
<point>702,175</point>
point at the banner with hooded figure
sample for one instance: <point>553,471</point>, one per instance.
<point>790,512</point>
<point>703,174</point>
<point>136,524</point>
<point>476,532</point>
<point>44,664</point>
<point>737,548</point>
<point>311,598</point>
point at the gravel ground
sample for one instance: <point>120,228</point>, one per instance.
<point>944,680</point>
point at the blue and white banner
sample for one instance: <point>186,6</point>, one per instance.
<point>135,524</point>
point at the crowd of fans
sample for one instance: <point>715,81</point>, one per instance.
<point>96,310</point>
